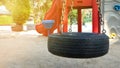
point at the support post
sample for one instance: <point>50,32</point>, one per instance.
<point>95,22</point>
<point>79,20</point>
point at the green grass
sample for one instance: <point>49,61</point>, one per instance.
<point>6,20</point>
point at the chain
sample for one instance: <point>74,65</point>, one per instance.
<point>101,17</point>
<point>62,16</point>
<point>71,16</point>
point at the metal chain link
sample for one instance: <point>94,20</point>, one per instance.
<point>62,16</point>
<point>71,16</point>
<point>101,17</point>
<point>63,10</point>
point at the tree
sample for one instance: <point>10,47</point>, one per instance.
<point>20,13</point>
<point>8,3</point>
<point>2,2</point>
<point>40,7</point>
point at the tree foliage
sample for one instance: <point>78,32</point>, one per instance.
<point>8,3</point>
<point>2,2</point>
<point>21,11</point>
<point>40,7</point>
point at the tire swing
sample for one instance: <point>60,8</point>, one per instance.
<point>78,45</point>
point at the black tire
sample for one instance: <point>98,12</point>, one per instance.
<point>78,45</point>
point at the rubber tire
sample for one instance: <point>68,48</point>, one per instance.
<point>78,45</point>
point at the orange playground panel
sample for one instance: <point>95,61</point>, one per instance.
<point>80,3</point>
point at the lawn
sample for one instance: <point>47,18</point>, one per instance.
<point>6,20</point>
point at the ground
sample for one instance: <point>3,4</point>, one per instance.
<point>28,49</point>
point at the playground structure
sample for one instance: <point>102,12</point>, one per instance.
<point>74,44</point>
<point>55,14</point>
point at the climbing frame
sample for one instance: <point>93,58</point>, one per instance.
<point>82,4</point>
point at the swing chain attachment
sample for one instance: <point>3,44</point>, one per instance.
<point>62,16</point>
<point>101,16</point>
<point>71,16</point>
